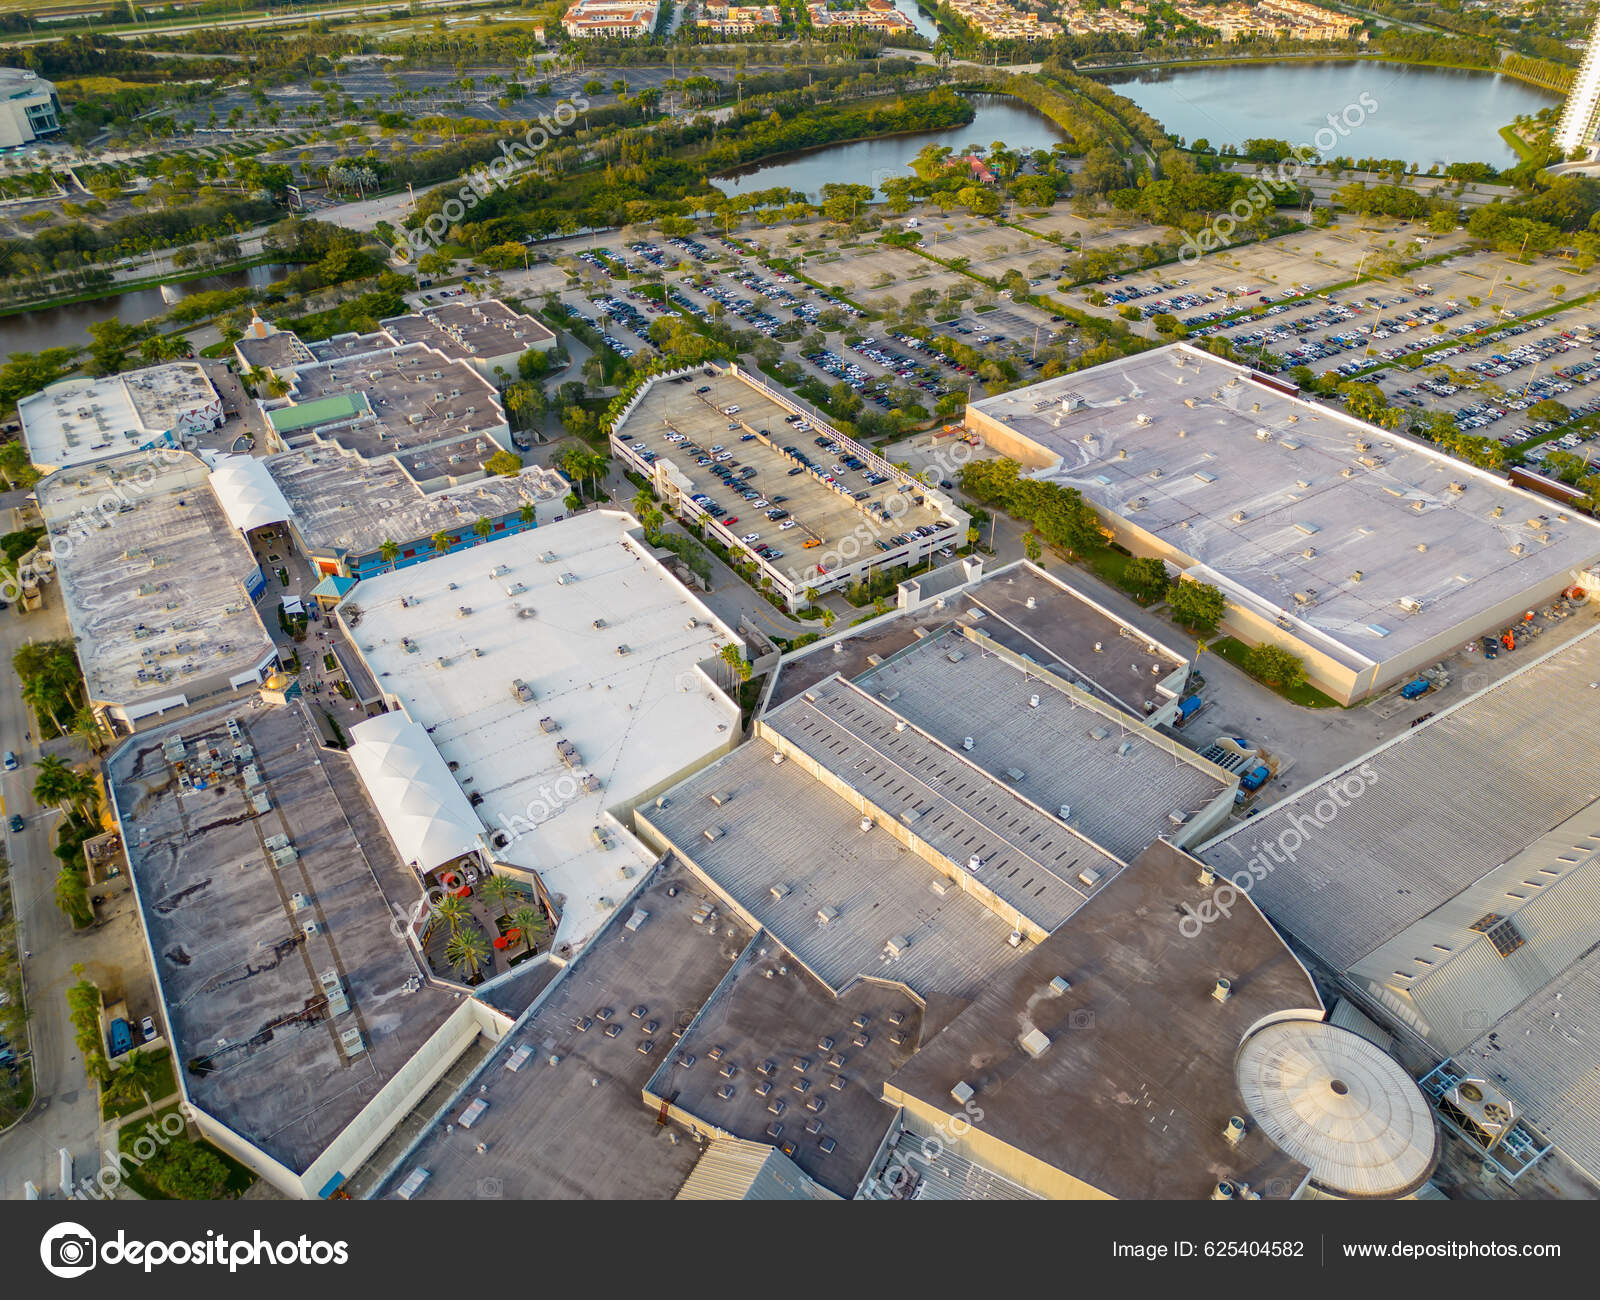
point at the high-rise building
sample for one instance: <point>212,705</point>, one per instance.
<point>1578,120</point>
<point>31,108</point>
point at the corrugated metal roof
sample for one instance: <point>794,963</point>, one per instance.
<point>733,1169</point>
<point>1391,838</point>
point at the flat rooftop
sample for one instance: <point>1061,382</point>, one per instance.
<point>1134,1089</point>
<point>470,331</point>
<point>80,421</point>
<point>972,820</point>
<point>436,416</point>
<point>279,351</point>
<point>580,1130</point>
<point>1063,631</point>
<point>1275,496</point>
<point>783,828</point>
<point>344,503</point>
<point>239,975</point>
<point>820,510</point>
<point>154,587</point>
<point>1441,806</point>
<point>759,1015</point>
<point>637,720</point>
<point>1121,781</point>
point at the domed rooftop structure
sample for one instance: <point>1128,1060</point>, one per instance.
<point>1339,1105</point>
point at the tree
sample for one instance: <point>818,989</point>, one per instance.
<point>483,527</point>
<point>453,911</point>
<point>499,891</point>
<point>734,658</point>
<point>506,463</point>
<point>442,541</point>
<point>1031,546</point>
<point>1275,666</point>
<point>55,783</point>
<point>187,1171</point>
<point>388,551</point>
<point>1197,605</point>
<point>1146,577</point>
<point>132,1080</point>
<point>467,951</point>
<point>86,723</point>
<point>526,514</point>
<point>528,921</point>
<point>72,895</point>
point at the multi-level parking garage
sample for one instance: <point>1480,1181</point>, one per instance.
<point>812,508</point>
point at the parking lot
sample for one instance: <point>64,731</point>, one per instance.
<point>742,459</point>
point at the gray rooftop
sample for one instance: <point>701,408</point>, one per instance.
<point>1135,1082</point>
<point>1176,441</point>
<point>580,1130</point>
<point>238,973</point>
<point>419,400</point>
<point>279,351</point>
<point>1063,631</point>
<point>783,828</point>
<point>469,331</point>
<point>1436,809</point>
<point>152,575</point>
<point>343,503</point>
<point>759,1015</point>
<point>1122,781</point>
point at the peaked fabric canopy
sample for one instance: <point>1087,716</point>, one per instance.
<point>247,492</point>
<point>426,815</point>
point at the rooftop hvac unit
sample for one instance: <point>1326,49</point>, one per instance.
<point>896,944</point>
<point>1016,773</point>
<point>1177,817</point>
<point>1035,1042</point>
<point>1089,877</point>
<point>352,1042</point>
<point>826,914</point>
<point>712,833</point>
<point>963,1092</point>
<point>1059,985</point>
<point>966,742</point>
<point>974,863</point>
<point>1033,701</point>
<point>1234,1130</point>
<point>1410,604</point>
<point>779,892</point>
<point>1065,812</point>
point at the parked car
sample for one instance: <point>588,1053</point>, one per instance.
<point>16,821</point>
<point>147,1027</point>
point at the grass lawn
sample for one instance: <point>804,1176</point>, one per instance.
<point>1305,695</point>
<point>164,1086</point>
<point>239,1178</point>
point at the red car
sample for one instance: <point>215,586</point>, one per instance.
<point>731,520</point>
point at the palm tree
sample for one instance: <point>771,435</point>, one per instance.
<point>498,891</point>
<point>86,723</point>
<point>56,783</point>
<point>85,795</point>
<point>37,691</point>
<point>526,514</point>
<point>467,950</point>
<point>529,921</point>
<point>453,911</point>
<point>72,894</point>
<point>441,541</point>
<point>134,1078</point>
<point>388,551</point>
<point>483,527</point>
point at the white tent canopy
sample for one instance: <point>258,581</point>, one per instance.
<point>247,492</point>
<point>423,809</point>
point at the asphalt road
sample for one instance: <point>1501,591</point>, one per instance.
<point>65,1113</point>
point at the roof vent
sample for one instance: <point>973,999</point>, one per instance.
<point>1410,604</point>
<point>1033,701</point>
<point>1065,812</point>
<point>1223,990</point>
<point>966,742</point>
<point>1035,1042</point>
<point>779,892</point>
<point>963,1092</point>
<point>1234,1130</point>
<point>1089,877</point>
<point>826,914</point>
<point>974,863</point>
<point>1059,985</point>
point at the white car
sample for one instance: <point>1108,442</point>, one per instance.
<point>751,537</point>
<point>147,1027</point>
<point>787,523</point>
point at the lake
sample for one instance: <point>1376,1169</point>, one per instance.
<point>871,162</point>
<point>1423,115</point>
<point>68,327</point>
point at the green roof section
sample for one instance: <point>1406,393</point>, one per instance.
<point>333,585</point>
<point>325,410</point>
